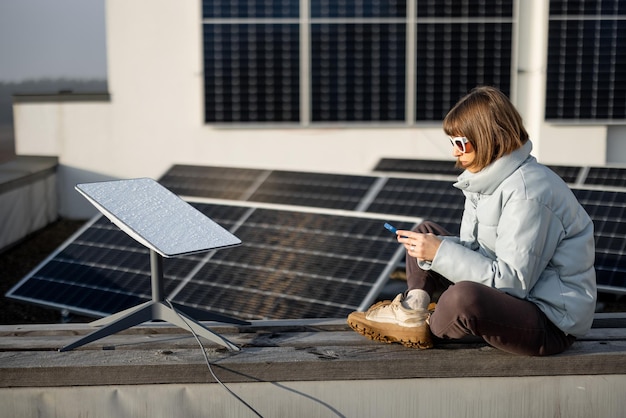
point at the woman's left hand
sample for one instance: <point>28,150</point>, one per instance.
<point>421,246</point>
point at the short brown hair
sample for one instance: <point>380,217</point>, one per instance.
<point>488,119</point>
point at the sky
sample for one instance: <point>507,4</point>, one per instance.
<point>52,39</point>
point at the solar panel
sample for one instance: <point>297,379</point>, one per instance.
<point>433,200</point>
<point>333,191</point>
<point>606,176</point>
<point>291,265</point>
<point>607,209</point>
<point>569,174</point>
<point>584,61</point>
<point>314,189</point>
<point>251,71</point>
<point>358,70</point>
<point>100,271</point>
<point>441,77</point>
<point>402,165</point>
<point>212,182</point>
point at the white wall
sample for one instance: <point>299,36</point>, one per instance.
<point>155,116</point>
<point>512,397</point>
<point>165,79</point>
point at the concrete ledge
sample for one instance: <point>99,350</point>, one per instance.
<point>62,96</point>
<point>24,170</point>
<point>28,197</point>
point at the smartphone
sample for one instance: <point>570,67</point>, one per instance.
<point>390,227</point>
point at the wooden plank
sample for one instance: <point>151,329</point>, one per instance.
<point>286,351</point>
<point>164,327</point>
<point>321,362</point>
<point>156,341</point>
<point>601,320</point>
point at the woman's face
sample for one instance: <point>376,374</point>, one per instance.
<point>465,159</point>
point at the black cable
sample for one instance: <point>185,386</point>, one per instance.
<point>208,363</point>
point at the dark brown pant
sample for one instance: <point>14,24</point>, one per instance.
<point>469,308</point>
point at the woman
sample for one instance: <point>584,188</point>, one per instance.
<point>520,275</point>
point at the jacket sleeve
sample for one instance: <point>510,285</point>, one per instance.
<point>526,237</point>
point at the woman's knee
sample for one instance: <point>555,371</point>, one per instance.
<point>461,296</point>
<point>456,311</point>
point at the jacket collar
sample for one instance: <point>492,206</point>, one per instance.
<point>487,180</point>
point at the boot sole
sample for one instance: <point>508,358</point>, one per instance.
<point>418,337</point>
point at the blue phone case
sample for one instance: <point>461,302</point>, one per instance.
<point>390,227</point>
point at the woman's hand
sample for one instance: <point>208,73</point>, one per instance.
<point>421,246</point>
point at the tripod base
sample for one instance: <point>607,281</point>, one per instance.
<point>157,310</point>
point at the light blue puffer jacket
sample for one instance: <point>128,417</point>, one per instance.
<point>524,232</point>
